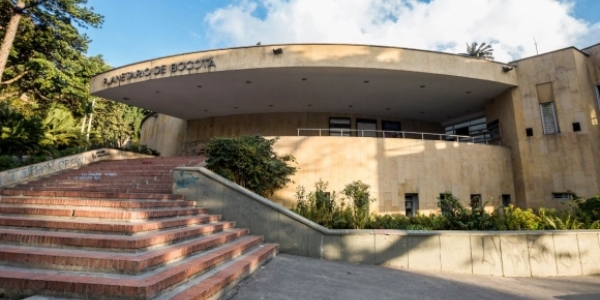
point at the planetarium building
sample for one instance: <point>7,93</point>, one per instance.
<point>410,123</point>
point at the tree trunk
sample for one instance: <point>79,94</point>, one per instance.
<point>9,36</point>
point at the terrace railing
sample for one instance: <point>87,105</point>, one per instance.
<point>386,134</point>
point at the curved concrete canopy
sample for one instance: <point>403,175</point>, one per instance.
<point>375,80</point>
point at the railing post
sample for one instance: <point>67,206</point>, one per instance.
<point>422,136</point>
<point>403,135</point>
<point>319,132</point>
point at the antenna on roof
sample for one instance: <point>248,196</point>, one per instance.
<point>536,49</point>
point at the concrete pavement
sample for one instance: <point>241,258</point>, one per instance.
<point>295,277</point>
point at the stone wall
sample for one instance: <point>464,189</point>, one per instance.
<point>395,167</point>
<point>510,254</point>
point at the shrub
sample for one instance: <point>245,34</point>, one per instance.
<point>322,208</point>
<point>8,162</point>
<point>515,218</point>
<point>358,193</point>
<point>250,162</point>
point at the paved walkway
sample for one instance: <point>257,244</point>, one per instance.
<point>295,277</point>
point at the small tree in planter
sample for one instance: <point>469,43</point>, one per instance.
<point>250,162</point>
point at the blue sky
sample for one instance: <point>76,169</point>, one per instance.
<point>137,30</point>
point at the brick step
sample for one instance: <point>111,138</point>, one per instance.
<point>103,167</point>
<point>136,180</point>
<point>17,281</point>
<point>120,243</point>
<point>124,204</point>
<point>103,213</point>
<point>108,189</point>
<point>103,226</point>
<point>109,262</point>
<point>215,283</point>
<point>149,162</point>
<point>99,184</point>
<point>81,194</point>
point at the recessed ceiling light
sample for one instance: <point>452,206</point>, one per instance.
<point>125,98</point>
<point>422,112</point>
<point>350,106</point>
<point>199,86</point>
<point>468,111</point>
<point>310,105</point>
<point>387,108</point>
<point>468,92</point>
<point>248,81</point>
<point>449,116</point>
<point>235,107</point>
<point>366,81</point>
<point>205,110</point>
<point>271,105</point>
<point>158,92</point>
<point>422,86</point>
<point>303,79</point>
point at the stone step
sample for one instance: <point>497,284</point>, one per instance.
<point>17,281</point>
<point>121,243</point>
<point>215,283</point>
<point>124,204</point>
<point>83,194</point>
<point>103,226</point>
<point>105,213</point>
<point>109,262</point>
<point>134,180</point>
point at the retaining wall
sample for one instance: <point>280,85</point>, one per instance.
<point>31,172</point>
<point>511,254</point>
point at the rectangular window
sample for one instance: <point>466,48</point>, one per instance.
<point>506,200</point>
<point>337,126</point>
<point>598,95</point>
<point>561,196</point>
<point>391,129</point>
<point>411,204</point>
<point>549,123</point>
<point>366,127</point>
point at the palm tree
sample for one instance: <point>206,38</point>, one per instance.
<point>483,51</point>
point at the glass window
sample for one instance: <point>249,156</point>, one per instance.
<point>549,123</point>
<point>337,126</point>
<point>366,127</point>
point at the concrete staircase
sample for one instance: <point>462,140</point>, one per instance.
<point>113,230</point>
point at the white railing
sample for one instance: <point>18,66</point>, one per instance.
<point>389,134</point>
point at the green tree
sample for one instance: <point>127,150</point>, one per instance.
<point>20,135</point>
<point>250,162</point>
<point>483,51</point>
<point>46,27</point>
<point>358,193</point>
<point>61,129</point>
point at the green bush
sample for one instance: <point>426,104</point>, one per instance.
<point>358,193</point>
<point>321,207</point>
<point>8,162</point>
<point>250,162</point>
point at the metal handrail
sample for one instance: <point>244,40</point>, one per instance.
<point>402,133</point>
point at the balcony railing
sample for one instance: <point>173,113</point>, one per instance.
<point>389,134</point>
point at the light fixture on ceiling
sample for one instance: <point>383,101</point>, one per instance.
<point>350,106</point>
<point>303,79</point>
<point>366,81</point>
<point>248,81</point>
<point>270,105</point>
<point>310,105</point>
<point>199,86</point>
<point>422,86</point>
<point>235,107</point>
<point>468,92</point>
<point>158,92</point>
<point>422,112</point>
<point>387,108</point>
<point>205,110</point>
<point>125,98</point>
<point>277,51</point>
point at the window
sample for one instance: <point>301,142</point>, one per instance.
<point>337,126</point>
<point>391,126</point>
<point>506,200</point>
<point>411,204</point>
<point>366,127</point>
<point>549,123</point>
<point>598,95</point>
<point>477,128</point>
<point>561,196</point>
<point>529,131</point>
<point>475,200</point>
<point>576,127</point>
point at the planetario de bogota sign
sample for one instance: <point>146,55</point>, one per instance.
<point>162,69</point>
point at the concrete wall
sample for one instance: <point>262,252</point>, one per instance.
<point>31,172</point>
<point>283,124</point>
<point>511,254</point>
<point>164,134</point>
<point>551,163</point>
<point>395,167</point>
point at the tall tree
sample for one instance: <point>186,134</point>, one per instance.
<point>483,51</point>
<point>54,19</point>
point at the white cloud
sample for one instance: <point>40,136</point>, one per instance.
<point>443,25</point>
